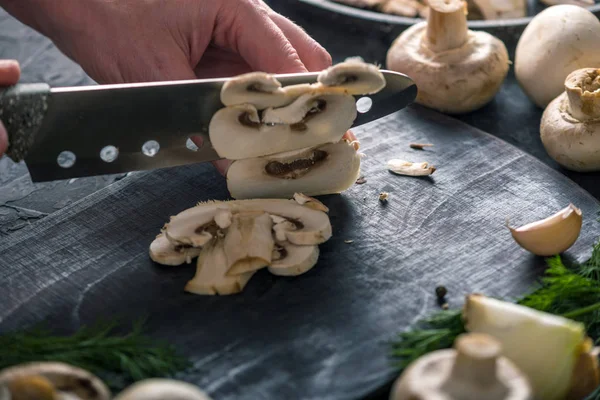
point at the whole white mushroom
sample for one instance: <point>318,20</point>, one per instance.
<point>557,41</point>
<point>570,126</point>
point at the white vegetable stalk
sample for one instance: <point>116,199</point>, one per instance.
<point>446,25</point>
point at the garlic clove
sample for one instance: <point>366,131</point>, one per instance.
<point>402,167</point>
<point>550,236</point>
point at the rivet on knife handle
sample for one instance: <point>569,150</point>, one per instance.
<point>22,110</point>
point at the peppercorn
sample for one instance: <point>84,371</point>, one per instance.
<point>441,292</point>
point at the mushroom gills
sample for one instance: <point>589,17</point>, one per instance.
<point>165,252</point>
<point>326,169</point>
<point>211,273</point>
<point>249,242</point>
<point>292,260</point>
<point>240,132</point>
<point>355,77</point>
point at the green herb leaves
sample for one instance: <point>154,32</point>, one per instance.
<point>119,359</point>
<point>572,292</point>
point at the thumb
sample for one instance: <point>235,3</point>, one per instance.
<point>248,30</point>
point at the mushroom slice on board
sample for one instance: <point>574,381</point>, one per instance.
<point>161,389</point>
<point>237,132</point>
<point>457,70</point>
<point>355,77</point>
<point>194,227</point>
<point>326,169</point>
<point>211,272</point>
<point>165,252</point>
<point>292,260</point>
<point>249,242</point>
<point>52,381</point>
<point>309,226</point>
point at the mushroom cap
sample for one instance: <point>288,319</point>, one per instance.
<point>162,389</point>
<point>185,227</point>
<point>556,42</point>
<point>247,178</point>
<point>233,140</point>
<point>163,251</point>
<point>455,81</point>
<point>573,144</point>
<point>355,76</point>
<point>64,377</point>
<point>295,260</point>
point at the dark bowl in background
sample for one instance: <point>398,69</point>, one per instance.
<point>373,32</point>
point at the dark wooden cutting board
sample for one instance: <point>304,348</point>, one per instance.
<point>323,335</point>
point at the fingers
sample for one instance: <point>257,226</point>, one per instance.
<point>311,53</point>
<point>244,26</point>
<point>3,139</point>
<point>220,63</point>
<point>350,136</point>
<point>10,72</point>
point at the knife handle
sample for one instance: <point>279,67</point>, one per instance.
<point>22,110</point>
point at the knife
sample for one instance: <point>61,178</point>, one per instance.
<point>71,132</point>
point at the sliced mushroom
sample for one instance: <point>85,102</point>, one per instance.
<point>245,236</point>
<point>195,226</point>
<point>211,272</point>
<point>59,380</point>
<point>298,112</point>
<point>165,252</point>
<point>258,88</point>
<point>249,242</point>
<point>310,226</point>
<point>354,76</point>
<point>310,202</point>
<point>238,132</point>
<point>293,260</point>
<point>327,169</point>
<point>162,389</point>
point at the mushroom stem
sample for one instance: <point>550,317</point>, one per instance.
<point>446,25</point>
<point>583,92</point>
<point>476,360</point>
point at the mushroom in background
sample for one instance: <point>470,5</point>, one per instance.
<point>162,389</point>
<point>51,381</point>
<point>570,126</point>
<point>559,40</point>
<point>235,239</point>
<point>499,9</point>
<point>474,369</point>
<point>456,70</point>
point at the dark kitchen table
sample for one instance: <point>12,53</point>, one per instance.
<point>511,116</point>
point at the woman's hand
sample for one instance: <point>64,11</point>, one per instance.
<point>9,75</point>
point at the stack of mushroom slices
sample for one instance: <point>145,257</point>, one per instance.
<point>286,140</point>
<point>234,239</point>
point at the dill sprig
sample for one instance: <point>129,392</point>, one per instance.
<point>118,359</point>
<point>433,333</point>
<point>572,292</point>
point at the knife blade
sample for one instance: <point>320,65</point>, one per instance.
<point>72,132</point>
